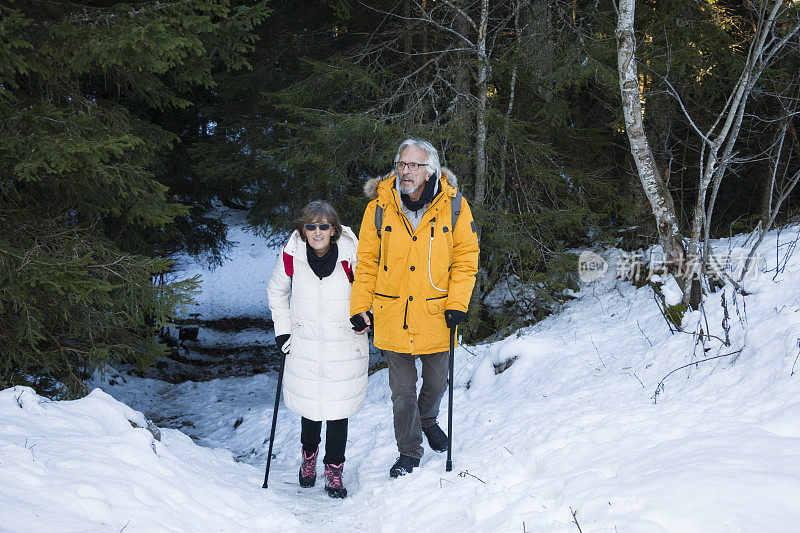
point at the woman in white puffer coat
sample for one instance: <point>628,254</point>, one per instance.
<point>325,375</point>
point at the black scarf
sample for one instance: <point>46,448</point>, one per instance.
<point>424,198</point>
<point>322,266</point>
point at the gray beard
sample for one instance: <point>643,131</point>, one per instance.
<point>407,190</point>
<point>400,187</point>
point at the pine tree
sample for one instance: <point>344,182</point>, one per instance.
<point>89,204</point>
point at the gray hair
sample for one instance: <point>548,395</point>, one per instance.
<point>433,155</point>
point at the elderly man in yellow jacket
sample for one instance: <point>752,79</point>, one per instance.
<point>417,260</point>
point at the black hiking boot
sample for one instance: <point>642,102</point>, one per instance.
<point>308,470</point>
<point>333,481</point>
<point>404,465</point>
<point>437,439</point>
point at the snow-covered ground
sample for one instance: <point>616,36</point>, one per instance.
<point>239,286</point>
<point>570,425</point>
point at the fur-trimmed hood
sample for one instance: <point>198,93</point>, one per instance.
<point>371,186</point>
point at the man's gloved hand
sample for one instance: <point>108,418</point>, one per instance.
<point>453,318</point>
<point>283,342</point>
<point>359,324</point>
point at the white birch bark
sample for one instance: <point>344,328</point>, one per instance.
<point>654,187</point>
<point>718,142</point>
<point>764,45</point>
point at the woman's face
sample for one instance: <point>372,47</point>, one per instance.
<point>319,239</point>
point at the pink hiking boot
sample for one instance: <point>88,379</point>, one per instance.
<point>308,470</point>
<point>333,481</point>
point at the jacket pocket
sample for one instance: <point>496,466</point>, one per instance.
<point>387,312</point>
<point>436,309</point>
<point>379,295</point>
<point>436,304</point>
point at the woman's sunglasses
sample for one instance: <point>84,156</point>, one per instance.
<point>323,227</point>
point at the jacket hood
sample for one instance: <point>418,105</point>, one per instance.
<point>371,186</point>
<point>347,243</point>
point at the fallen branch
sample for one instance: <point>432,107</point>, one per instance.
<point>660,386</point>
<point>645,336</point>
<point>465,473</point>
<point>663,313</point>
<point>792,245</point>
<point>700,334</point>
<point>514,456</point>
<point>575,519</point>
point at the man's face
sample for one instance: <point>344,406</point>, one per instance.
<point>411,183</point>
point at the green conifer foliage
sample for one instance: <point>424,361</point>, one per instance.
<point>89,208</point>
<point>386,74</point>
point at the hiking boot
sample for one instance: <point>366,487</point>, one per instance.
<point>437,439</point>
<point>333,481</point>
<point>308,470</point>
<point>404,465</point>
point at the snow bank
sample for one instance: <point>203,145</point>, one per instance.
<point>84,465</point>
<point>557,418</point>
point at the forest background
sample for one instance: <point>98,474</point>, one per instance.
<point>122,124</point>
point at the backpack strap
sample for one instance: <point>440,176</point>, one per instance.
<point>288,264</point>
<point>455,210</point>
<point>378,219</point>
<point>348,270</point>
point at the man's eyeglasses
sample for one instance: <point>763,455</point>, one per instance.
<point>323,227</point>
<point>413,167</point>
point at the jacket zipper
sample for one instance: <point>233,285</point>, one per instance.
<point>384,251</point>
<point>430,248</point>
<point>384,295</point>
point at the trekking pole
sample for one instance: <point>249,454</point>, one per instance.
<point>449,464</point>
<point>274,418</point>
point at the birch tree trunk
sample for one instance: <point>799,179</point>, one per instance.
<point>717,150</point>
<point>654,187</point>
<point>764,46</point>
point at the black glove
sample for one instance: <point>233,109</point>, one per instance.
<point>281,341</point>
<point>453,318</point>
<point>359,323</point>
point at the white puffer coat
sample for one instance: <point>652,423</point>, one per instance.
<point>325,377</point>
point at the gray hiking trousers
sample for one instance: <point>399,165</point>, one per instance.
<point>412,413</point>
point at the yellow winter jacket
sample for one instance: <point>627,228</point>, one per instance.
<point>410,277</point>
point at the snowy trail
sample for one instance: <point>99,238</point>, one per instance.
<point>569,425</point>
